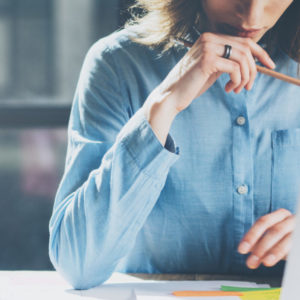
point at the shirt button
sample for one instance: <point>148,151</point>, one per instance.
<point>242,189</point>
<point>241,121</point>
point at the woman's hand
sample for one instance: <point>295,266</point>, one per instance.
<point>203,64</point>
<point>269,239</point>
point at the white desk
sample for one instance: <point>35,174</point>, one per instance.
<point>44,285</point>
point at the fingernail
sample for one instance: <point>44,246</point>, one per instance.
<point>228,87</point>
<point>270,259</point>
<point>272,64</point>
<point>252,261</point>
<point>248,87</point>
<point>244,247</point>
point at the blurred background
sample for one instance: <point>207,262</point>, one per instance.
<point>42,47</point>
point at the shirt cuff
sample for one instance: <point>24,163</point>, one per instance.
<point>139,139</point>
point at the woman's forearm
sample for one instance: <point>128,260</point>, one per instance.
<point>160,114</point>
<point>106,195</point>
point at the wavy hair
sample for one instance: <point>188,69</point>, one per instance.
<point>161,22</point>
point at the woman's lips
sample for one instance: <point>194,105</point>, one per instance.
<point>238,31</point>
<point>250,34</point>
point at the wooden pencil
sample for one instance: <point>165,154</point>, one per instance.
<point>260,69</point>
<point>278,75</point>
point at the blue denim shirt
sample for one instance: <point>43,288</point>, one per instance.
<point>126,203</point>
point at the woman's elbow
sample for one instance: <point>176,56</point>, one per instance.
<point>78,274</point>
<point>80,281</point>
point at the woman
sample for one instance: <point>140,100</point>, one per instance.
<point>183,160</point>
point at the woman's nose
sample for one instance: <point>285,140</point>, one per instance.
<point>251,12</point>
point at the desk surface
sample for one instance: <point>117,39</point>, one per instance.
<point>50,285</point>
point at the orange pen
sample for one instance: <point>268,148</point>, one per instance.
<point>205,293</point>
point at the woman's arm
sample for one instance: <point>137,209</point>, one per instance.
<point>115,167</point>
<point>115,170</point>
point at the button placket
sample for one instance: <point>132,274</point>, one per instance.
<point>242,172</point>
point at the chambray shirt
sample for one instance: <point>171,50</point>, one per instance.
<point>127,203</point>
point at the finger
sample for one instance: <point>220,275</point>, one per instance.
<point>237,44</point>
<point>260,227</point>
<point>233,69</point>
<point>273,237</point>
<point>260,53</point>
<point>245,70</point>
<point>256,50</point>
<point>279,252</point>
<point>212,63</point>
<point>239,57</point>
<point>253,70</point>
<point>248,67</point>
<point>209,42</point>
<point>246,54</point>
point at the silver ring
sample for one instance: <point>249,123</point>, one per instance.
<point>227,51</point>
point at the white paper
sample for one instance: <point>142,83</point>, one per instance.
<point>163,290</point>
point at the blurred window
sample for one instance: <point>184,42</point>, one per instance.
<point>26,33</point>
<point>42,47</point>
<point>31,164</point>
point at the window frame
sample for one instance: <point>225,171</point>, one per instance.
<point>40,113</point>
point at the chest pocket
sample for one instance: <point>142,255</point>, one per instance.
<point>285,169</point>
